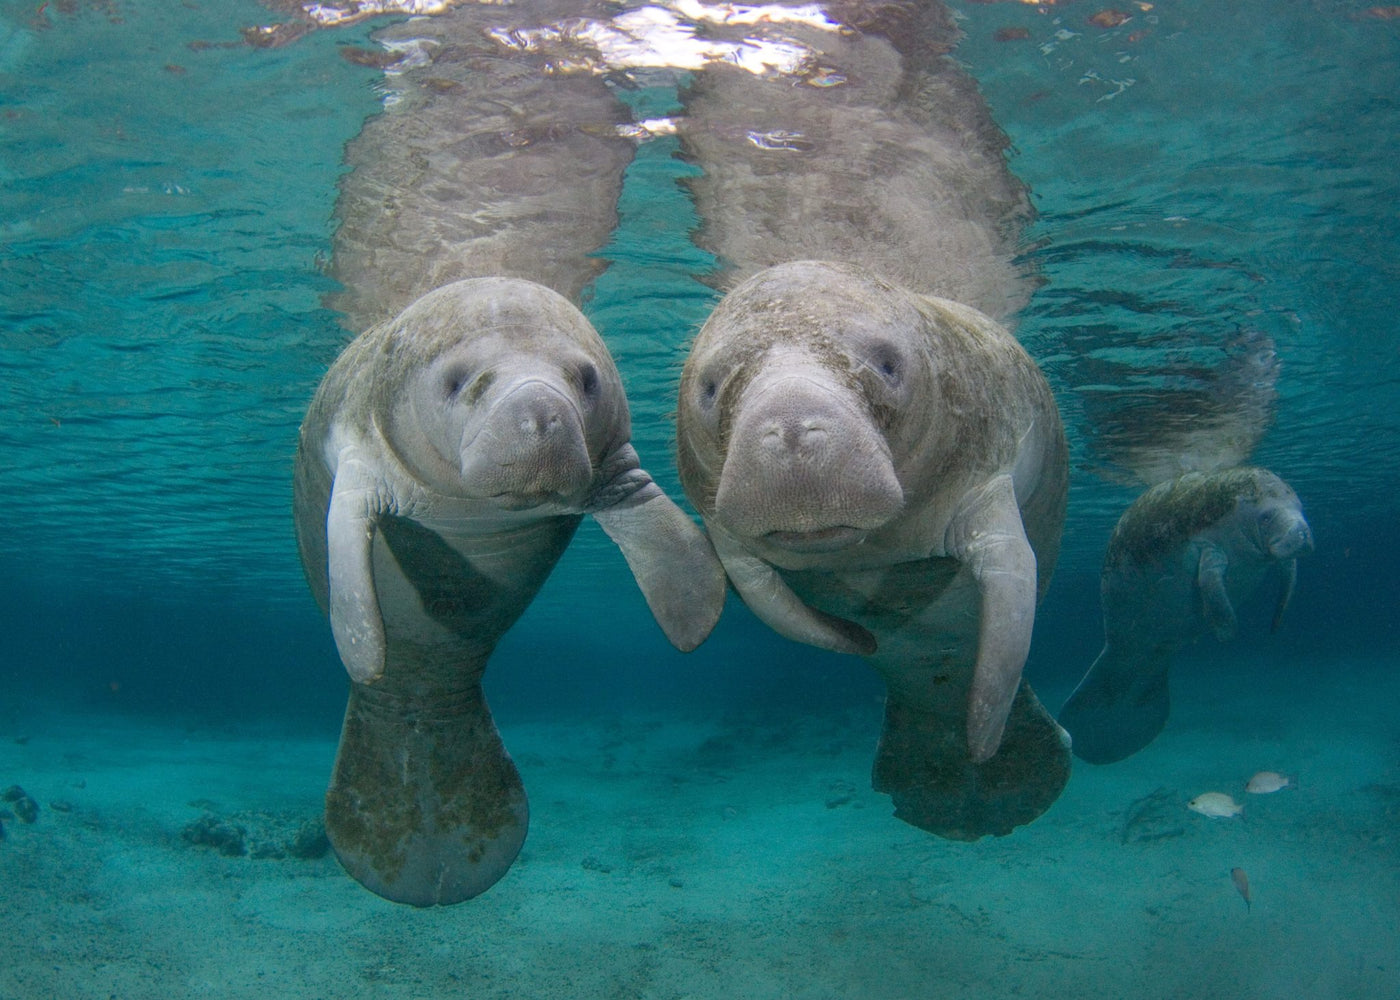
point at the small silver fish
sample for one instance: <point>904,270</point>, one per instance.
<point>1216,805</point>
<point>1266,782</point>
<point>1241,881</point>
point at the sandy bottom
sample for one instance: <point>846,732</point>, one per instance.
<point>734,858</point>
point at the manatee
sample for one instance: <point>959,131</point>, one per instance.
<point>1180,559</point>
<point>884,473</point>
<point>444,464</point>
<point>865,227</point>
<point>453,448</point>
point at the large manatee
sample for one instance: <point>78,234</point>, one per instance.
<point>444,464</point>
<point>884,473</point>
<point>880,465</point>
<point>1181,558</point>
<point>452,449</point>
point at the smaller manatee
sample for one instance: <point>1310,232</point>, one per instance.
<point>1179,561</point>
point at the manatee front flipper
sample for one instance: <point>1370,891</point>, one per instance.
<point>925,767</point>
<point>425,806</point>
<point>1289,571</point>
<point>987,536</point>
<point>772,600</point>
<point>670,558</point>
<point>357,501</point>
<point>1121,704</point>
<point>1219,613</point>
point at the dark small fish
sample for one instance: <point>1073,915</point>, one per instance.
<point>1241,881</point>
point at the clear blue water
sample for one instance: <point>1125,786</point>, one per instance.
<point>1204,173</point>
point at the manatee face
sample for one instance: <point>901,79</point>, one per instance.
<point>508,427</point>
<point>513,409</point>
<point>807,467</point>
<point>795,411</point>
<point>1275,521</point>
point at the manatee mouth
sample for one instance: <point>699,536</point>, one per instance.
<point>829,539</point>
<point>1295,542</point>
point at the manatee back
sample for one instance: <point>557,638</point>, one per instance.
<point>1166,518</point>
<point>485,164</point>
<point>884,155</point>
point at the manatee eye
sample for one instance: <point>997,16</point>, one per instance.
<point>454,380</point>
<point>462,383</point>
<point>886,362</point>
<point>705,388</point>
<point>588,380</point>
<point>708,392</point>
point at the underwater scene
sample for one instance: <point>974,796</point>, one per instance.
<point>609,499</point>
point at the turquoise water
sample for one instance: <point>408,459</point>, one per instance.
<point>1216,188</point>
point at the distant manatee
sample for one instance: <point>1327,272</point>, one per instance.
<point>1180,559</point>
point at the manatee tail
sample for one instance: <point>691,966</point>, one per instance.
<point>424,806</point>
<point>1121,704</point>
<point>924,765</point>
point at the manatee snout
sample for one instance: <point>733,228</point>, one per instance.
<point>532,447</point>
<point>805,463</point>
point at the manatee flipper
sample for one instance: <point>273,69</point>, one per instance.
<point>424,806</point>
<point>671,559</point>
<point>772,600</point>
<point>356,622</point>
<point>1121,704</point>
<point>1216,608</point>
<point>987,536</point>
<point>925,767</point>
<point>1289,571</point>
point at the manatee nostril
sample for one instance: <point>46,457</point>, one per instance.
<point>789,436</point>
<point>541,424</point>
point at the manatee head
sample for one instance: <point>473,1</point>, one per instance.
<point>499,389</point>
<point>797,432</point>
<point>1273,518</point>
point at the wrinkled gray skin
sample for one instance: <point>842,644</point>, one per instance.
<point>884,473</point>
<point>444,464</point>
<point>1181,558</point>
